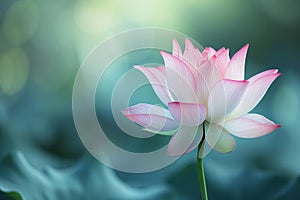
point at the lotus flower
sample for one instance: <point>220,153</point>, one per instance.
<point>207,99</point>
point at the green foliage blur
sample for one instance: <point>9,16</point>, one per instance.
<point>42,45</point>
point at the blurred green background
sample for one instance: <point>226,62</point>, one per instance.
<point>42,45</point>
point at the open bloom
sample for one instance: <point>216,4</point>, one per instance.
<point>207,99</point>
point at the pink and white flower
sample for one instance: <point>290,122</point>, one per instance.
<point>207,98</point>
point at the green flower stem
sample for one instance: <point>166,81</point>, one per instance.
<point>201,175</point>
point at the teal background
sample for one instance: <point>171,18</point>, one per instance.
<point>42,45</point>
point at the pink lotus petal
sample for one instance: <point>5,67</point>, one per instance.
<point>188,114</point>
<point>222,61</point>
<point>224,97</point>
<point>191,55</point>
<point>219,51</point>
<point>180,79</point>
<point>188,55</point>
<point>218,138</point>
<point>189,46</point>
<point>151,117</point>
<point>263,74</point>
<point>250,126</point>
<point>184,140</point>
<point>258,86</point>
<point>236,66</point>
<point>158,81</point>
<point>207,77</point>
<point>197,139</point>
<point>176,49</point>
<point>162,69</point>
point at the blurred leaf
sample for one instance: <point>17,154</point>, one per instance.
<point>15,195</point>
<point>10,196</point>
<point>13,70</point>
<point>86,180</point>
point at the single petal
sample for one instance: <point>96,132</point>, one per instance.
<point>257,88</point>
<point>180,79</point>
<point>224,97</point>
<point>218,138</point>
<point>198,58</point>
<point>188,114</point>
<point>191,55</point>
<point>207,77</point>
<point>151,117</point>
<point>250,126</point>
<point>263,74</point>
<point>197,139</point>
<point>176,49</point>
<point>236,66</point>
<point>183,141</point>
<point>222,61</point>
<point>158,81</point>
<point>219,51</point>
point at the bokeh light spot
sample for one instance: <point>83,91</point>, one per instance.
<point>94,18</point>
<point>21,21</point>
<point>13,71</point>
